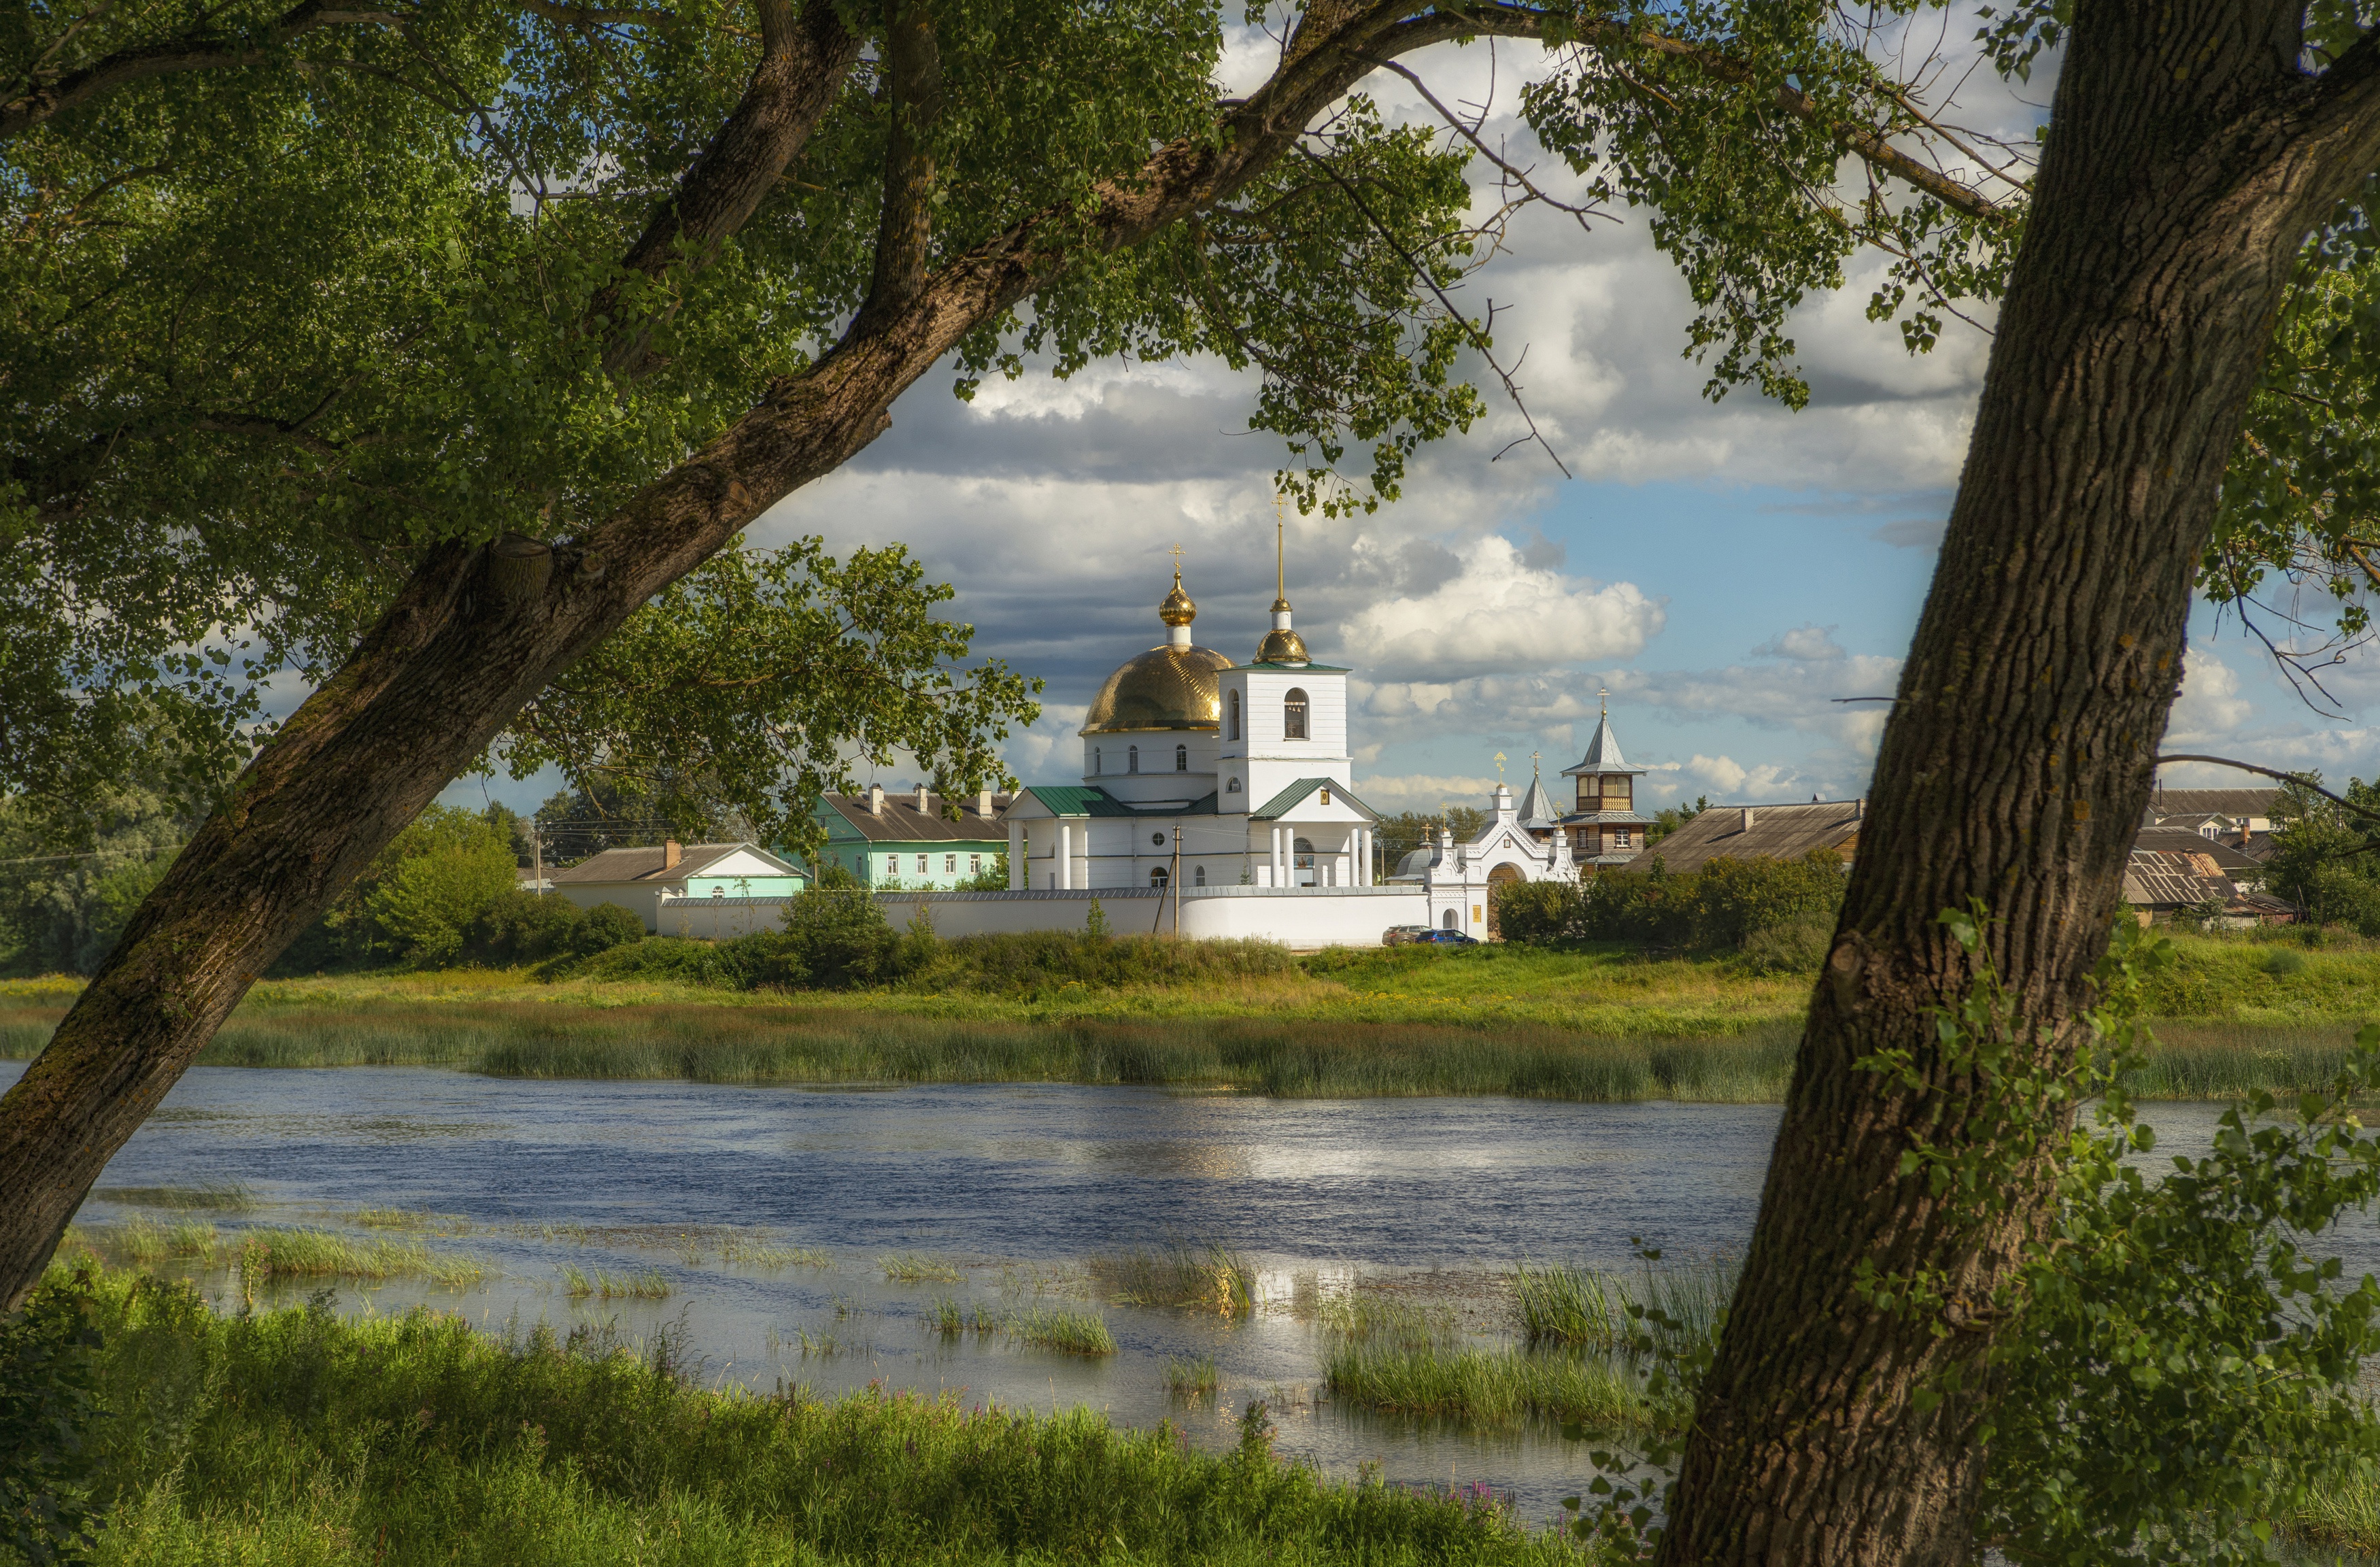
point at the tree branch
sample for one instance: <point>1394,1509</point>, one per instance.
<point>2300,779</point>
<point>194,51</point>
<point>904,231</point>
<point>802,65</point>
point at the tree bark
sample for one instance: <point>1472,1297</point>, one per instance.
<point>2188,158</point>
<point>473,635</point>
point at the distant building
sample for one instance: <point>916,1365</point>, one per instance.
<point>2212,813</point>
<point>637,880</point>
<point>2162,883</point>
<point>1605,829</point>
<point>1780,831</point>
<point>909,841</point>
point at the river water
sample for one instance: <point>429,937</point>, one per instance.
<point>1011,1186</point>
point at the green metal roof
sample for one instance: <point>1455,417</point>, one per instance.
<point>1280,803</point>
<point>1082,799</point>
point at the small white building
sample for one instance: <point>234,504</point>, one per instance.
<point>637,880</point>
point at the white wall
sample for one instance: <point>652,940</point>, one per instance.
<point>1301,918</point>
<point>720,919</point>
<point>643,899</point>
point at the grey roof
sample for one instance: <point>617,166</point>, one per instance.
<point>1602,754</point>
<point>1537,808</point>
<point>2224,852</point>
<point>1417,860</point>
<point>1604,818</point>
<point>1280,803</point>
<point>1786,831</point>
<point>2173,879</point>
<point>902,822</point>
<point>645,864</point>
<point>2164,803</point>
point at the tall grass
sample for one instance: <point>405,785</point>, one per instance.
<point>1489,1387</point>
<point>229,1197</point>
<point>1180,1274</point>
<point>1192,1379</point>
<point>910,1268</point>
<point>1070,1332</point>
<point>1590,1308</point>
<point>318,1254</point>
<point>292,1437</point>
<point>579,1284</point>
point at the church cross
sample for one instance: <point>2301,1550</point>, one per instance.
<point>1499,764</point>
<point>1176,554</point>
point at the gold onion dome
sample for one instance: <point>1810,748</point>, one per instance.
<point>1284,646</point>
<point>1172,686</point>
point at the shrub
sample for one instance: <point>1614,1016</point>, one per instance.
<point>600,929</point>
<point>839,939</point>
<point>1721,907</point>
<point>447,869</point>
<point>523,928</point>
<point>46,1414</point>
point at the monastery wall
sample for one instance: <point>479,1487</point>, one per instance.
<point>1304,917</point>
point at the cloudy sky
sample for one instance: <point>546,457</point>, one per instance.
<point>1727,570</point>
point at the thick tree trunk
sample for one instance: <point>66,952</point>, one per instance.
<point>2186,162</point>
<point>476,632</point>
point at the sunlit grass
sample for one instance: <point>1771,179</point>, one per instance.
<point>1069,1333</point>
<point>1484,1387</point>
<point>1195,1378</point>
<point>909,1268</point>
<point>1591,1308</point>
<point>1183,1274</point>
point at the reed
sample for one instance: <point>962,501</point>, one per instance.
<point>909,1268</point>
<point>320,1254</point>
<point>579,1284</point>
<point>1192,1379</point>
<point>745,1251</point>
<point>1481,1387</point>
<point>1070,1332</point>
<point>1603,1309</point>
<point>235,1440</point>
<point>1188,1275</point>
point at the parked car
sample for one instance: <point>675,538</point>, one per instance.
<point>1448,938</point>
<point>1398,935</point>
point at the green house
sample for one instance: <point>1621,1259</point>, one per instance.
<point>906,841</point>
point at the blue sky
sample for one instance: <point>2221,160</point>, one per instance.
<point>1727,569</point>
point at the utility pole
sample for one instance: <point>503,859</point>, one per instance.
<point>537,849</point>
<point>1174,881</point>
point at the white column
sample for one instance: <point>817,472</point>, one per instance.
<point>1065,854</point>
<point>1020,874</point>
<point>1283,875</point>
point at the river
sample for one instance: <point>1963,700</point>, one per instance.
<point>1014,1187</point>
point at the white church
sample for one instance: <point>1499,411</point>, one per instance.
<point>1218,798</point>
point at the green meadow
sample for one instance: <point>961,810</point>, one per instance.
<point>2233,1016</point>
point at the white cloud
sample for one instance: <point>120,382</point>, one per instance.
<point>1806,644</point>
<point>1424,792</point>
<point>1498,613</point>
<point>2211,704</point>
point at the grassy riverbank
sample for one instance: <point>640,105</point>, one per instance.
<point>296,1438</point>
<point>2235,1016</point>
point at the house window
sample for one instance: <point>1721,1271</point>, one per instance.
<point>1233,787</point>
<point>1157,878</point>
<point>975,865</point>
<point>1231,729</point>
<point>1621,838</point>
<point>1292,715</point>
<point>921,865</point>
<point>1132,758</point>
<point>892,864</point>
<point>950,865</point>
<point>1180,758</point>
<point>1199,875</point>
<point>2209,830</point>
<point>717,891</point>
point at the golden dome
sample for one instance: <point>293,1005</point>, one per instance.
<point>1177,609</point>
<point>1168,688</point>
<point>1281,647</point>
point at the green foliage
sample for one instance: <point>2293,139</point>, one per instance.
<point>1780,913</point>
<point>448,869</point>
<point>416,1438</point>
<point>838,939</point>
<point>756,682</point>
<point>47,1416</point>
<point>1669,818</point>
<point>992,877</point>
<point>1400,835</point>
<point>2326,860</point>
<point>1095,922</point>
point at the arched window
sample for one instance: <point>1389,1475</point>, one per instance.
<point>1132,758</point>
<point>1231,724</point>
<point>1180,758</point>
<point>1199,875</point>
<point>1292,715</point>
<point>1157,878</point>
<point>1233,787</point>
<point>1449,920</point>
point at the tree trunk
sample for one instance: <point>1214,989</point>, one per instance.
<point>2187,160</point>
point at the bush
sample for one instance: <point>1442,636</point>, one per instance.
<point>1035,963</point>
<point>600,929</point>
<point>523,928</point>
<point>837,938</point>
<point>442,875</point>
<point>1721,907</point>
<point>46,1415</point>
